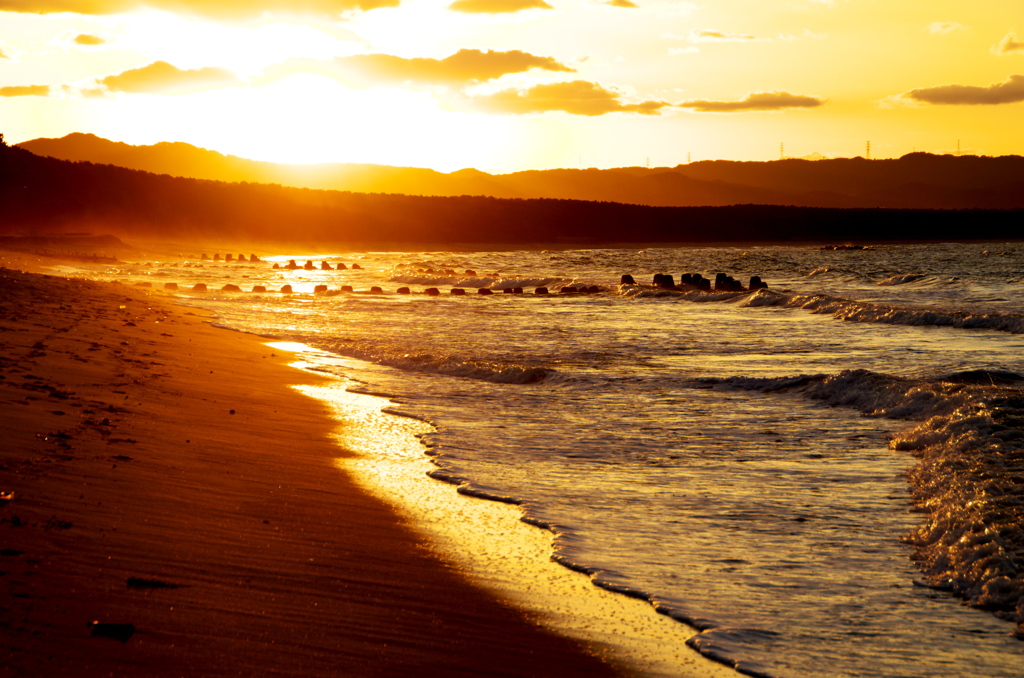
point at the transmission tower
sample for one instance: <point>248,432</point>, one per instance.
<point>867,152</point>
<point>782,150</point>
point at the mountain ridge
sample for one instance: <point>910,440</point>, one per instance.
<point>42,195</point>
<point>914,181</point>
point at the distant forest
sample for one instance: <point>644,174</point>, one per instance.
<point>44,195</point>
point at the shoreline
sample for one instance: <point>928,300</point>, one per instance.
<point>488,541</point>
<point>161,480</point>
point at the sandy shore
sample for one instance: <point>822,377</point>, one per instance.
<point>165,476</point>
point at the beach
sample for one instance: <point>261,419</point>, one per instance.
<point>347,479</point>
<point>165,476</point>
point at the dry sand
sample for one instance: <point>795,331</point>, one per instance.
<point>164,475</point>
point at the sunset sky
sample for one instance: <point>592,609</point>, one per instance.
<point>504,85</point>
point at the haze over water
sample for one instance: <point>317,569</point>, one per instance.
<point>710,451</point>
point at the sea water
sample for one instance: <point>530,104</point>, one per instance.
<point>816,475</point>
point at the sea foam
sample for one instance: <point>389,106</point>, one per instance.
<point>969,481</point>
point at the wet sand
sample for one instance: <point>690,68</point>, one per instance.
<point>165,476</point>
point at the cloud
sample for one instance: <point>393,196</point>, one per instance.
<point>945,27</point>
<point>622,3</point>
<point>462,68</point>
<point>1009,92</point>
<point>89,40</point>
<point>25,91</point>
<point>1009,44</point>
<point>758,101</point>
<point>711,35</point>
<point>230,10</point>
<point>578,97</point>
<point>161,77</point>
<point>497,6</point>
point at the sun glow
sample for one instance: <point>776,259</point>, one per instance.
<point>312,119</point>
<point>275,88</point>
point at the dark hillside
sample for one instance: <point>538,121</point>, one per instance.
<point>917,180</point>
<point>43,195</point>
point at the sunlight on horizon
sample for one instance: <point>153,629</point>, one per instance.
<point>582,84</point>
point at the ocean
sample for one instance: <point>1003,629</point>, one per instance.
<point>824,477</point>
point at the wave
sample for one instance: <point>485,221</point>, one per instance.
<point>494,283</point>
<point>865,312</point>
<point>491,371</point>
<point>648,291</point>
<point>969,480</point>
<point>901,279</point>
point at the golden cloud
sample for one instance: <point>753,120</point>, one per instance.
<point>1009,44</point>
<point>214,9</point>
<point>758,101</point>
<point>622,3</point>
<point>25,91</point>
<point>497,6</point>
<point>89,40</point>
<point>1009,92</point>
<point>711,35</point>
<point>161,77</point>
<point>462,68</point>
<point>945,27</point>
<point>578,97</point>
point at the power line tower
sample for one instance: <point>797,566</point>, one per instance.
<point>867,152</point>
<point>782,150</point>
<point>687,157</point>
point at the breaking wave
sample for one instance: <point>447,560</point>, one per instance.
<point>492,371</point>
<point>864,312</point>
<point>969,480</point>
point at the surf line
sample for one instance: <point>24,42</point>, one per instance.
<point>486,540</point>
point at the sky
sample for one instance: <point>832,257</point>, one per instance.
<point>508,85</point>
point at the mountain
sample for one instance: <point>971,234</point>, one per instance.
<point>917,180</point>
<point>42,195</point>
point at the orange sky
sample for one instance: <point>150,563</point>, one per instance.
<point>504,85</point>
